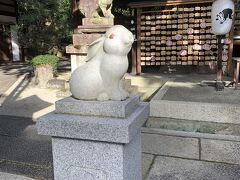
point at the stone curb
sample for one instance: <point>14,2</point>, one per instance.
<point>190,145</point>
<point>191,134</point>
<point>198,111</point>
<point>12,88</point>
<point>163,89</point>
<point>188,110</point>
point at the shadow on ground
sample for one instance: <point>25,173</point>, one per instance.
<point>22,150</point>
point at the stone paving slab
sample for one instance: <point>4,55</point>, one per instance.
<point>6,82</point>
<point>13,168</point>
<point>7,176</point>
<point>147,160</point>
<point>167,168</point>
<point>220,151</point>
<point>170,146</point>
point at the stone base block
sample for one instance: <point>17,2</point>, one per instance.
<point>85,39</point>
<point>105,129</point>
<point>81,160</point>
<point>76,49</point>
<point>94,28</point>
<point>118,109</point>
<point>98,21</point>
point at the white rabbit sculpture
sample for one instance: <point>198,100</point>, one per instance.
<point>106,63</point>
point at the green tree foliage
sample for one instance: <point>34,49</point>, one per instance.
<point>44,26</point>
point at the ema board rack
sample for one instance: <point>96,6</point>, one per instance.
<point>177,34</point>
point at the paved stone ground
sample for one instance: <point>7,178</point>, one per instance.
<point>167,168</point>
<point>23,152</point>
<point>27,100</point>
<point>9,73</point>
<point>7,176</point>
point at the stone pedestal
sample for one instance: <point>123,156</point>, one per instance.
<point>43,73</point>
<point>96,140</point>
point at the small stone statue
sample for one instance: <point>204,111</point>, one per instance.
<point>93,8</point>
<point>106,63</point>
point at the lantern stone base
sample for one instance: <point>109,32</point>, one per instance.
<point>76,61</point>
<point>96,146</point>
<point>100,20</point>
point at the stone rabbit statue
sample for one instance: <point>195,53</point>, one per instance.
<point>93,8</point>
<point>106,63</point>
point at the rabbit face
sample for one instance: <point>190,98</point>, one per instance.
<point>118,41</point>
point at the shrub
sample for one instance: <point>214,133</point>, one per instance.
<point>45,59</point>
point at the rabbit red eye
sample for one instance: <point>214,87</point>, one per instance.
<point>111,36</point>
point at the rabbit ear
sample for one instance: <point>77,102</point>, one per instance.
<point>94,47</point>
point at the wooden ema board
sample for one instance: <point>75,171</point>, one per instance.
<point>156,27</point>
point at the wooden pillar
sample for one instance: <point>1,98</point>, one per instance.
<point>237,74</point>
<point>138,68</point>
<point>134,59</point>
<point>219,82</point>
<point>134,46</point>
<point>230,64</point>
<point>219,60</point>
